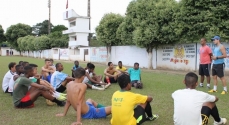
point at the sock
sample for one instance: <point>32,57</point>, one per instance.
<point>108,80</point>
<point>208,84</point>
<point>148,110</point>
<point>201,84</point>
<point>225,89</point>
<point>215,87</point>
<point>56,101</point>
<point>100,106</point>
<point>205,113</point>
<point>215,114</point>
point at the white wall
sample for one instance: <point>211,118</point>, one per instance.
<point>177,57</point>
<point>82,25</point>
<point>82,39</point>
<point>4,50</point>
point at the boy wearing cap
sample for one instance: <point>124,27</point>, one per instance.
<point>219,53</point>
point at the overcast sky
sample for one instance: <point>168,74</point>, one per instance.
<point>34,11</point>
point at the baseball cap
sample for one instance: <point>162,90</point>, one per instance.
<point>216,37</point>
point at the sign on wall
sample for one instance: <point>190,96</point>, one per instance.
<point>63,53</point>
<point>98,54</point>
<point>180,56</point>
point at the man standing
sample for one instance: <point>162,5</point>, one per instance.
<point>205,62</point>
<point>219,54</point>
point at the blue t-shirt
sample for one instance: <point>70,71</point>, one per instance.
<point>74,67</point>
<point>134,74</point>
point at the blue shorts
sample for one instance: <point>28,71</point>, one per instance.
<point>48,78</point>
<point>93,114</point>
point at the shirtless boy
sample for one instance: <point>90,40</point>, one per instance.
<point>76,97</point>
<point>111,74</point>
<point>47,70</point>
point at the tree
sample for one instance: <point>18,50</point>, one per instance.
<point>2,36</point>
<point>41,28</point>
<point>59,28</point>
<point>16,31</point>
<point>57,39</point>
<point>106,31</point>
<point>126,28</point>
<point>154,24</point>
<point>41,43</point>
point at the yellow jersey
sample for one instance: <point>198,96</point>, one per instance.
<point>122,107</point>
<point>122,69</point>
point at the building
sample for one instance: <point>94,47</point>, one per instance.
<point>78,33</point>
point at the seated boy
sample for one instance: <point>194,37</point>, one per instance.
<point>76,65</point>
<point>25,63</point>
<point>19,72</point>
<point>76,97</point>
<point>121,68</point>
<point>47,70</point>
<point>24,97</point>
<point>59,80</point>
<point>111,74</point>
<point>190,105</point>
<point>91,79</point>
<point>8,76</point>
<point>124,101</point>
<point>51,64</point>
<point>135,76</point>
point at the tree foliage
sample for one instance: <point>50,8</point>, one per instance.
<point>41,28</point>
<point>2,36</point>
<point>59,28</point>
<point>57,39</point>
<point>106,30</point>
<point>16,31</point>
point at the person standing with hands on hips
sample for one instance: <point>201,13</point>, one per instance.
<point>219,53</point>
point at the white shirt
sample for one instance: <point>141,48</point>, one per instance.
<point>57,78</point>
<point>11,82</point>
<point>86,80</point>
<point>187,106</point>
<point>6,80</point>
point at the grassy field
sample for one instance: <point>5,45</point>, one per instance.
<point>159,84</point>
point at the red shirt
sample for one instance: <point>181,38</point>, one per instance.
<point>205,52</point>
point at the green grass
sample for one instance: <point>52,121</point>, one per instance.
<point>159,84</point>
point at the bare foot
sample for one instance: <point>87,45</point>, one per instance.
<point>77,123</point>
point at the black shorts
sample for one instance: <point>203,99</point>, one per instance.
<point>139,115</point>
<point>218,69</point>
<point>205,69</point>
<point>61,89</point>
<point>112,80</point>
<point>26,104</point>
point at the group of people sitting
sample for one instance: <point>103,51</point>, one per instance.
<point>127,108</point>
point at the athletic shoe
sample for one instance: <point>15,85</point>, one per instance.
<point>97,88</point>
<point>224,92</point>
<point>223,121</point>
<point>61,104</point>
<point>201,85</point>
<point>107,85</point>
<point>50,103</point>
<point>155,116</point>
<point>209,87</point>
<point>59,96</point>
<point>212,91</point>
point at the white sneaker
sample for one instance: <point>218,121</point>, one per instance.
<point>223,121</point>
<point>97,88</point>
<point>107,85</point>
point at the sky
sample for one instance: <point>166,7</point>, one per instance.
<point>32,12</point>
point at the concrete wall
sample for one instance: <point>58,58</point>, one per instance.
<point>175,57</point>
<point>4,51</point>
